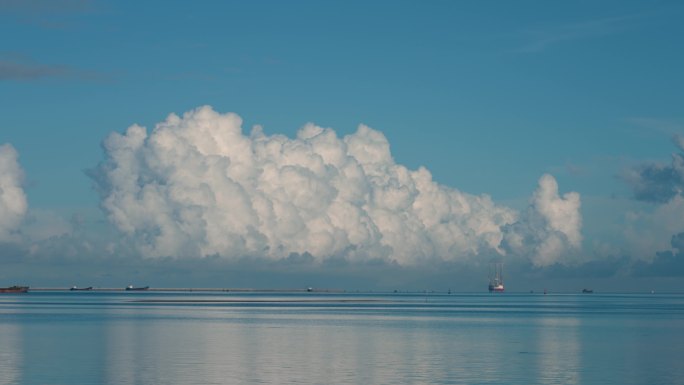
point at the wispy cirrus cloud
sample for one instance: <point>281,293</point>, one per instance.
<point>658,125</point>
<point>45,5</point>
<point>542,37</point>
<point>19,68</point>
<point>48,14</point>
<point>16,70</point>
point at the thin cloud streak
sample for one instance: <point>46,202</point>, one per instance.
<point>544,37</point>
<point>21,69</point>
<point>45,6</point>
<point>12,70</point>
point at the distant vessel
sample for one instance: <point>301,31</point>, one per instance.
<point>76,288</point>
<point>14,289</point>
<point>587,291</point>
<point>496,277</point>
<point>131,288</point>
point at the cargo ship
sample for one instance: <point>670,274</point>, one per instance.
<point>131,288</point>
<point>76,288</point>
<point>14,289</point>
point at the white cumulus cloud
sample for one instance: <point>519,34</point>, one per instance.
<point>196,185</point>
<point>549,228</point>
<point>13,203</point>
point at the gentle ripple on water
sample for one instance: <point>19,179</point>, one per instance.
<point>309,338</point>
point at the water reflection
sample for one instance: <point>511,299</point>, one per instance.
<point>241,347</point>
<point>472,339</point>
<point>259,350</point>
<point>63,346</point>
<point>558,351</point>
<point>11,354</point>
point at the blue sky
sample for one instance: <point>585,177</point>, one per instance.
<point>488,96</point>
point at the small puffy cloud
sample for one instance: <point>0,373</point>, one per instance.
<point>13,203</point>
<point>659,182</point>
<point>550,229</point>
<point>196,186</point>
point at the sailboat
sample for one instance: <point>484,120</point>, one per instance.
<point>496,277</point>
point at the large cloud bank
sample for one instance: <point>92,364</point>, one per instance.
<point>13,203</point>
<point>197,186</point>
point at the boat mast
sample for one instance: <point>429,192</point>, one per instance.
<point>500,275</point>
<point>496,276</point>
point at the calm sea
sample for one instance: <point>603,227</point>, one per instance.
<point>310,338</point>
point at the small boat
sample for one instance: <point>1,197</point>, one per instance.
<point>131,288</point>
<point>76,288</point>
<point>587,291</point>
<point>496,287</point>
<point>14,289</point>
<point>496,278</point>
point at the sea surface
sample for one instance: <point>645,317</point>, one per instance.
<point>343,338</point>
